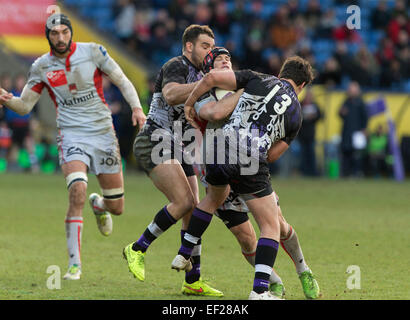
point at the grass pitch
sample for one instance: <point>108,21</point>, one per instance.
<point>363,223</point>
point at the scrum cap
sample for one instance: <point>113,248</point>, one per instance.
<point>209,59</point>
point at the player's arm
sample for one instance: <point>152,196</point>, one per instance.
<point>21,105</point>
<point>276,150</point>
<point>224,79</point>
<point>117,77</point>
<point>176,93</point>
<point>219,110</point>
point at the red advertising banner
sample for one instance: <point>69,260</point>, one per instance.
<point>25,17</point>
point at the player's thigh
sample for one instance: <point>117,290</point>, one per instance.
<point>215,197</point>
<point>73,166</point>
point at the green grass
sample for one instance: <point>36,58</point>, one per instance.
<point>339,223</point>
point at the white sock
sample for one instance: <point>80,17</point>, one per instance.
<point>292,247</point>
<point>73,231</point>
<point>274,277</point>
<point>250,257</point>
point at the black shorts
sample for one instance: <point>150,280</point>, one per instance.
<point>232,218</point>
<point>19,134</point>
<point>148,158</point>
<point>248,186</point>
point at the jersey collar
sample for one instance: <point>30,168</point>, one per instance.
<point>73,47</point>
<point>288,84</point>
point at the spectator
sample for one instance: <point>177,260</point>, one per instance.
<point>327,25</point>
<point>160,43</point>
<point>124,22</point>
<point>380,15</point>
<point>142,28</point>
<point>220,19</point>
<point>331,74</point>
<point>400,8</point>
<point>203,14</point>
<point>377,151</point>
<point>313,14</point>
<point>121,115</point>
<point>238,14</point>
<point>354,115</point>
<point>403,56</point>
<point>397,24</point>
<point>254,44</point>
<point>5,140</point>
<point>282,31</point>
<point>366,67</point>
<point>343,58</point>
<point>343,33</point>
<point>21,127</point>
<point>311,114</point>
<point>274,64</point>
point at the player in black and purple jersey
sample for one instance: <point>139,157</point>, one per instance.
<point>264,122</point>
<point>158,149</point>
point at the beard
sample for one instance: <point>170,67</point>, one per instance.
<point>196,59</point>
<point>60,51</point>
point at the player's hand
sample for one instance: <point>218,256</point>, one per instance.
<point>190,116</point>
<point>138,117</point>
<point>4,96</point>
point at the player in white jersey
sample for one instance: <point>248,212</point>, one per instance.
<point>72,74</point>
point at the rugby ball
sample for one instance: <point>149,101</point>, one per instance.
<point>221,93</point>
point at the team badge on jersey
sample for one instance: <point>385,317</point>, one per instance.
<point>56,78</point>
<point>73,88</point>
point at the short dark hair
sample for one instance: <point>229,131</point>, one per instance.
<point>297,69</point>
<point>193,31</point>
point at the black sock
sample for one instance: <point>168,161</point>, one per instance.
<point>194,275</point>
<point>199,222</point>
<point>162,222</point>
<point>266,252</point>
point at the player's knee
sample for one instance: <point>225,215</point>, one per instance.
<point>77,188</point>
<point>78,194</point>
<point>189,204</point>
<point>114,200</point>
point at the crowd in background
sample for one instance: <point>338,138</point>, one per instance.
<point>261,34</point>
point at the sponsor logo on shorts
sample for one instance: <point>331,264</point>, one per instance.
<point>112,158</point>
<point>74,150</point>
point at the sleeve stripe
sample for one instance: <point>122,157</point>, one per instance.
<point>38,87</point>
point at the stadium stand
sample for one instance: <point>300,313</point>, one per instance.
<point>249,29</point>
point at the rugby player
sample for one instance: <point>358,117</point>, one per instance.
<point>234,212</point>
<point>174,178</point>
<point>268,113</point>
<point>72,74</point>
